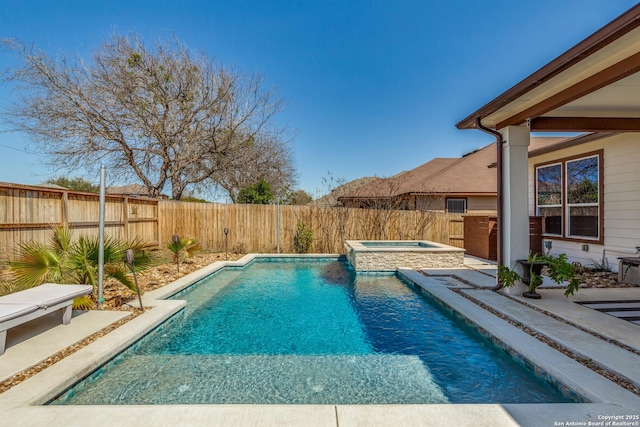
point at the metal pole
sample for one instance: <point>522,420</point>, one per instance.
<point>101,236</point>
<point>278,225</point>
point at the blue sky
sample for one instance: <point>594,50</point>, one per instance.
<point>373,87</point>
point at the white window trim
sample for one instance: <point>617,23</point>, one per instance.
<point>566,220</point>
<point>568,205</point>
<point>562,193</point>
<point>464,201</point>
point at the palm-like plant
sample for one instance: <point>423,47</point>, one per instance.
<point>182,248</point>
<point>65,261</point>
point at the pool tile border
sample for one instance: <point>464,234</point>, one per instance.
<point>562,371</point>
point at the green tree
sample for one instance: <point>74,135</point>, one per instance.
<point>303,239</point>
<point>257,194</point>
<point>78,184</point>
<point>298,197</point>
<point>193,199</point>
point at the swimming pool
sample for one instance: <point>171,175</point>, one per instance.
<point>312,332</point>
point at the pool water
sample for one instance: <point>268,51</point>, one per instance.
<point>312,333</point>
<point>396,244</point>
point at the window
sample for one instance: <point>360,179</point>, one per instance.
<point>549,197</point>
<point>457,205</point>
<point>568,197</point>
<point>583,197</point>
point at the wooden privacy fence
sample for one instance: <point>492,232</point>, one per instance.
<point>254,228</point>
<point>28,212</point>
<point>481,236</point>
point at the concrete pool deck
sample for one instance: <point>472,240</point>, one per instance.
<point>22,404</point>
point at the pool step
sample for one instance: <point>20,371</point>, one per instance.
<point>583,344</point>
<point>264,379</point>
<point>473,277</point>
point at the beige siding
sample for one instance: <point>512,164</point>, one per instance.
<point>423,203</point>
<point>478,204</point>
<point>621,198</point>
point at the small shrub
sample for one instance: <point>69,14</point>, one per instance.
<point>303,239</point>
<point>601,266</point>
<point>65,260</point>
<point>239,247</point>
<point>182,249</point>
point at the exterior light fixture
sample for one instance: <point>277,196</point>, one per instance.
<point>226,242</point>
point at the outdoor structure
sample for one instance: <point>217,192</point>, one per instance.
<point>135,190</point>
<point>587,189</point>
<point>331,199</point>
<point>456,185</point>
<point>389,255</point>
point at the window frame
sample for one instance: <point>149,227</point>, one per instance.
<point>565,206</point>
<point>463,199</point>
<point>562,193</point>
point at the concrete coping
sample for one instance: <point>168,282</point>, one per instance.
<point>401,246</point>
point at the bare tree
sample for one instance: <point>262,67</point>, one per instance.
<point>380,203</point>
<point>159,113</point>
<point>265,158</point>
<point>332,221</point>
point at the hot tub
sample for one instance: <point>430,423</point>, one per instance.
<point>388,255</point>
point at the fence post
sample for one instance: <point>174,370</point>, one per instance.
<point>125,217</point>
<point>65,209</point>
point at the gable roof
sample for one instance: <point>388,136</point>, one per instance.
<point>464,175</point>
<point>592,87</point>
<point>331,199</point>
<point>128,189</point>
<point>138,190</point>
<point>471,174</point>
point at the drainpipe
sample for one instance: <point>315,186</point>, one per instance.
<point>499,143</point>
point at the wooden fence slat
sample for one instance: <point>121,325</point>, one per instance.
<point>30,211</point>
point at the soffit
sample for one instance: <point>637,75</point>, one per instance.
<point>619,99</point>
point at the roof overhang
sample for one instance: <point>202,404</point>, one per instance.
<point>455,194</point>
<point>593,87</point>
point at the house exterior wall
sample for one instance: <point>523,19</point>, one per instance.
<point>485,205</point>
<point>482,204</point>
<point>621,198</point>
<point>429,203</point>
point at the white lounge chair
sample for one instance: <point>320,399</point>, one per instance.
<point>23,306</point>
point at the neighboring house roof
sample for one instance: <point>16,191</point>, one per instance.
<point>468,174</point>
<point>540,143</point>
<point>471,174</point>
<point>568,142</point>
<point>331,199</point>
<point>132,190</point>
<point>46,185</point>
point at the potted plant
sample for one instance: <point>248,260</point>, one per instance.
<point>532,274</point>
<point>559,270</point>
